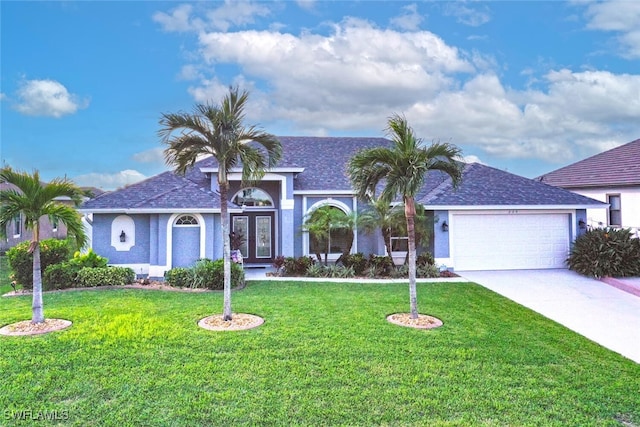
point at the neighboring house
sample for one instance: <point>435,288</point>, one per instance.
<point>494,220</point>
<point>612,177</point>
<point>17,233</point>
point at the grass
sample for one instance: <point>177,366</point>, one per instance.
<point>325,356</point>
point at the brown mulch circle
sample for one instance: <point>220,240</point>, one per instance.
<point>27,328</point>
<point>422,322</point>
<point>238,322</point>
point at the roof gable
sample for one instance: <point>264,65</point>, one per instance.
<point>616,167</point>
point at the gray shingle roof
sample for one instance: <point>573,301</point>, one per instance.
<point>617,167</point>
<point>486,186</point>
<point>324,160</point>
<point>164,191</point>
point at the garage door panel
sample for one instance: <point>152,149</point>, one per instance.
<point>524,241</point>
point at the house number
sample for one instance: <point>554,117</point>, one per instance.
<point>513,212</point>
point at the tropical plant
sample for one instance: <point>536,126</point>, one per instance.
<point>323,223</point>
<point>390,220</point>
<point>32,200</point>
<point>219,131</point>
<point>606,252</point>
<point>402,170</point>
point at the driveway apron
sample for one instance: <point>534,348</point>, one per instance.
<point>602,313</point>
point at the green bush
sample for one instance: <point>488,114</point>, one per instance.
<point>180,277</point>
<point>297,266</point>
<point>332,271</point>
<point>105,276</point>
<point>205,274</point>
<point>59,276</point>
<point>380,266</point>
<point>606,252</point>
<point>52,251</point>
<point>356,261</point>
<point>425,259</point>
<point>427,271</point>
<point>64,275</point>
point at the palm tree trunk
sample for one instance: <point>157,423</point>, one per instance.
<point>410,213</point>
<point>226,255</point>
<point>37,313</point>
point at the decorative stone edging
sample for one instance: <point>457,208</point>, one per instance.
<point>238,322</point>
<point>423,321</point>
<point>25,327</point>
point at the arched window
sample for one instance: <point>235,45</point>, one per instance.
<point>330,231</point>
<point>187,220</point>
<point>252,197</point>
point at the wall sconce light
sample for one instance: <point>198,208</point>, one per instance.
<point>123,236</point>
<point>582,224</point>
<point>445,226</point>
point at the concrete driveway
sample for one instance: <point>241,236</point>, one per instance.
<point>600,312</point>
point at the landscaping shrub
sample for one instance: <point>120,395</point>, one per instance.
<point>606,252</point>
<point>427,271</point>
<point>180,277</point>
<point>297,266</point>
<point>332,271</point>
<point>356,261</point>
<point>59,276</point>
<point>380,266</point>
<point>205,273</point>
<point>52,251</point>
<point>278,264</point>
<point>64,275</point>
<point>105,276</point>
<point>425,259</point>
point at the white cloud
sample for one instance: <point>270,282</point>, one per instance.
<point>472,16</point>
<point>306,4</point>
<point>229,14</point>
<point>315,78</point>
<point>236,13</point>
<point>620,16</point>
<point>577,112</point>
<point>409,20</point>
<point>109,181</point>
<point>472,159</point>
<point>179,20</point>
<point>154,155</point>
<point>47,98</point>
<point>358,74</point>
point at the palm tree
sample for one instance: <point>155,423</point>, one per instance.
<point>402,169</point>
<point>32,200</point>
<point>218,130</point>
<point>389,218</point>
<point>322,222</point>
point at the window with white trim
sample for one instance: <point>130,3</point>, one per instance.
<point>252,197</point>
<point>338,240</point>
<point>187,220</point>
<point>615,213</point>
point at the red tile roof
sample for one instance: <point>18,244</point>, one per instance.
<point>617,167</point>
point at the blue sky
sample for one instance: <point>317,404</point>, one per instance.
<point>522,86</point>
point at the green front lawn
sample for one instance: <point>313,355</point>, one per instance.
<point>325,355</point>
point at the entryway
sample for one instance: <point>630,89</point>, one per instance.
<point>258,228</point>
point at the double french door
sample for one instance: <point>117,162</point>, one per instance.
<point>257,228</point>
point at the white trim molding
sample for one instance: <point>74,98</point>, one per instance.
<point>171,223</point>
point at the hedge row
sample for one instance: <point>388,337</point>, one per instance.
<point>206,274</point>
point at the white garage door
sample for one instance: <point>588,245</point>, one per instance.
<point>508,242</point>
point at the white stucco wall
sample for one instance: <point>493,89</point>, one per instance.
<point>629,205</point>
